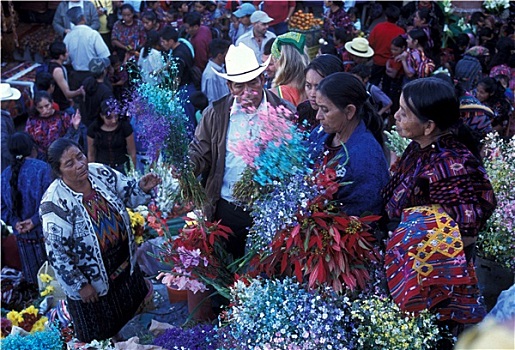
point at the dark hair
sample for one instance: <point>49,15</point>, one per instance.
<point>114,59</point>
<point>328,49</point>
<point>399,41</point>
<point>353,11</point>
<point>38,97</point>
<point>325,65</point>
<point>75,15</point>
<point>362,70</point>
<point>218,46</point>
<point>476,17</point>
<point>343,89</point>
<point>419,35</point>
<point>150,15</point>
<point>493,87</point>
<point>127,7</point>
<point>44,81</point>
<point>435,99</point>
<point>152,40</point>
<point>342,35</point>
<point>504,49</point>
<point>392,13</point>
<point>267,49</point>
<point>169,33</point>
<point>56,150</point>
<point>338,3</point>
<point>20,146</point>
<point>193,19</point>
<point>199,100</point>
<point>462,40</point>
<point>57,49</point>
<point>426,15</point>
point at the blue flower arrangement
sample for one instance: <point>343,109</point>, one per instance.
<point>49,339</point>
<point>199,337</point>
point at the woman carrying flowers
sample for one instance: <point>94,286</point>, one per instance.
<point>442,197</point>
<point>350,133</point>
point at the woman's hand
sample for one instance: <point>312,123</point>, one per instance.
<point>88,294</point>
<point>24,226</point>
<point>76,118</point>
<point>149,181</point>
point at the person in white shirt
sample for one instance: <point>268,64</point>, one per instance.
<point>83,44</point>
<point>259,35</point>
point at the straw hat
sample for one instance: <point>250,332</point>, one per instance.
<point>359,47</point>
<point>241,64</point>
<point>8,93</point>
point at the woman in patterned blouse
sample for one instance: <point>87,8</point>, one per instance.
<point>128,34</point>
<point>437,201</point>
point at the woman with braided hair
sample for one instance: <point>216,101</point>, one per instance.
<point>23,185</point>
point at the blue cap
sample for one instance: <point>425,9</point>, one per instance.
<point>245,10</point>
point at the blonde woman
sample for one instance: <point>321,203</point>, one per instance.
<point>288,53</point>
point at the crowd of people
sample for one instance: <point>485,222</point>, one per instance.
<point>233,59</point>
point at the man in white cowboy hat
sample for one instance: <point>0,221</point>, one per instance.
<point>360,51</point>
<point>7,94</point>
<point>259,35</point>
<point>226,122</point>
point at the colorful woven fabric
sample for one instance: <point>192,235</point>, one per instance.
<point>426,267</point>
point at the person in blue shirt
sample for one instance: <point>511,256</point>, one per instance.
<point>350,133</point>
<point>23,184</point>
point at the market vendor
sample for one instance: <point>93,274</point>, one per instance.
<point>224,123</point>
<point>89,241</point>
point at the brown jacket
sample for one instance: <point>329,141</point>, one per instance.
<point>208,148</point>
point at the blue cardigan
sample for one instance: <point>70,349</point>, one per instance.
<point>366,168</point>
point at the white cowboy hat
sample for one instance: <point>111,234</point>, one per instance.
<point>359,47</point>
<point>241,64</point>
<point>8,93</point>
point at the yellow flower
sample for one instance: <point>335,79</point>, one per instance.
<point>138,239</point>
<point>39,325</point>
<point>15,317</point>
<point>48,290</point>
<point>45,278</point>
<point>139,219</point>
<point>31,310</point>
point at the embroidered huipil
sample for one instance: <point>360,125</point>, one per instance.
<point>71,242</point>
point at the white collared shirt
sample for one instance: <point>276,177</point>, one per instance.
<point>242,126</point>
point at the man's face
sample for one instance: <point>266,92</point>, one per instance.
<point>166,44</point>
<point>260,28</point>
<point>249,94</point>
<point>191,30</point>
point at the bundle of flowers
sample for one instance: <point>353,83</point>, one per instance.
<point>324,246</point>
<point>29,319</point>
<point>497,241</point>
<point>275,314</point>
<point>496,7</point>
<point>49,339</point>
<point>197,257</point>
<point>137,225</point>
<point>395,142</point>
<point>378,323</point>
<point>45,279</point>
<point>165,131</point>
<point>275,154</point>
<point>199,337</point>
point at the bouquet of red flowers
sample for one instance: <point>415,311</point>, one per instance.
<point>324,246</point>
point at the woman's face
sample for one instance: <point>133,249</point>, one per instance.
<point>481,93</point>
<point>45,108</point>
<point>395,50</point>
<point>417,21</point>
<point>332,119</point>
<point>312,81</point>
<point>199,7</point>
<point>110,119</point>
<point>148,24</point>
<point>407,123</point>
<point>127,16</point>
<point>73,166</point>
